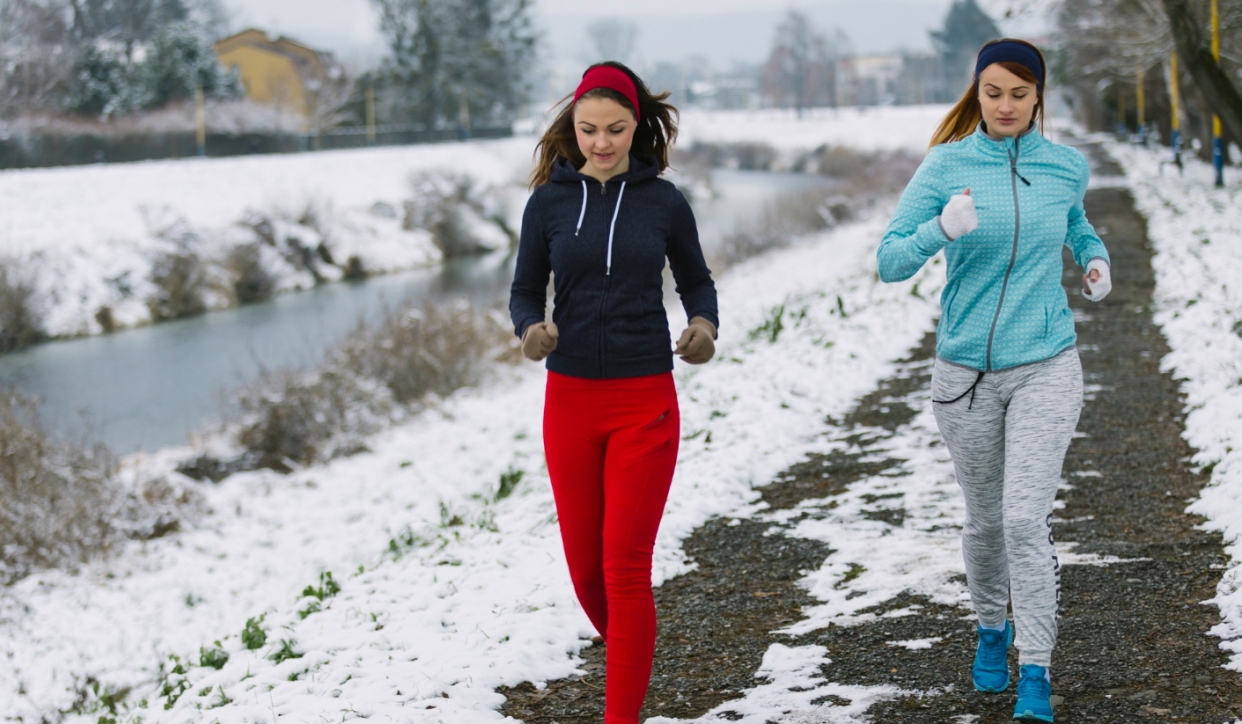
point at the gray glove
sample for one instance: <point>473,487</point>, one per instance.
<point>539,340</point>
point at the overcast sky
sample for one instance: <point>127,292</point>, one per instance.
<point>721,30</point>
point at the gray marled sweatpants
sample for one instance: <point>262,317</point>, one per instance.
<point>1008,443</point>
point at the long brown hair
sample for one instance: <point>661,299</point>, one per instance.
<point>965,116</point>
<point>654,136</point>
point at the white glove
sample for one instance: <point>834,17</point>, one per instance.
<point>1097,290</point>
<point>958,217</point>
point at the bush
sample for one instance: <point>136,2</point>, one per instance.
<point>180,280</point>
<point>375,374</point>
<point>21,323</point>
<point>60,502</point>
<point>463,219</point>
<point>251,281</point>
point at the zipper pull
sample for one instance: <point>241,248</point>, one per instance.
<point>603,188</point>
<point>1013,167</point>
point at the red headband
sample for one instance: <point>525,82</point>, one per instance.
<point>606,76</point>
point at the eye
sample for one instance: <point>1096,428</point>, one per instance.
<point>994,96</point>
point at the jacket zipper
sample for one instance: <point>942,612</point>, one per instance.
<point>603,299</point>
<point>1013,254</point>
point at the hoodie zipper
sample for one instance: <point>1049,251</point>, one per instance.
<point>1013,254</point>
<point>603,300</point>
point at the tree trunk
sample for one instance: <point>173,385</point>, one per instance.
<point>1195,52</point>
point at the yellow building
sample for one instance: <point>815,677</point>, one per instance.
<point>278,71</point>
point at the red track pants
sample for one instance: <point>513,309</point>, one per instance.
<point>611,447</point>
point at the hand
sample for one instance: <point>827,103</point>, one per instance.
<point>696,345</point>
<point>958,217</point>
<point>1098,281</point>
<point>539,340</point>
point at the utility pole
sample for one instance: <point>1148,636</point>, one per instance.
<point>1218,142</point>
<point>1122,126</point>
<point>1176,123</point>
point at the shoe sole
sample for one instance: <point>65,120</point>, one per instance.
<point>985,690</point>
<point>1031,716</point>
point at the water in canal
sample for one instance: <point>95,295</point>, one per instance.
<point>147,388</point>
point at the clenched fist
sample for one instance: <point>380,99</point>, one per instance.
<point>696,345</point>
<point>539,340</point>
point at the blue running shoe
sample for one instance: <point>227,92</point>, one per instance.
<point>991,668</point>
<point>1034,694</point>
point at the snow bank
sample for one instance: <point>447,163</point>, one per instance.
<point>91,234</point>
<point>1196,236</point>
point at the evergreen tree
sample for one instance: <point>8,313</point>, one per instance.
<point>456,59</point>
<point>179,60</point>
<point>966,28</point>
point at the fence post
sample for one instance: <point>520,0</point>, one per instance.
<point>370,116</point>
<point>201,116</point>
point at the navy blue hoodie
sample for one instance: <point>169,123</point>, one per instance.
<point>605,245</point>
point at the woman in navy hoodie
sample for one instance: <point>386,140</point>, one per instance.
<point>602,222</point>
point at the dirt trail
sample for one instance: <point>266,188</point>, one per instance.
<point>1132,644</point>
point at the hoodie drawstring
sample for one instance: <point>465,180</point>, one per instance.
<point>582,214</point>
<point>611,229</point>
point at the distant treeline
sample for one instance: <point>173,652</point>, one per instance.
<point>39,151</point>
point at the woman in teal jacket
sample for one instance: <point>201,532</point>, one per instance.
<point>1001,201</point>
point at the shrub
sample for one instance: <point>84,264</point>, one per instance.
<point>376,373</point>
<point>251,281</point>
<point>464,220</point>
<point>21,323</point>
<point>61,505</point>
<point>180,280</point>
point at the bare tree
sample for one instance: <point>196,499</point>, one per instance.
<point>612,39</point>
<point>802,67</point>
<point>1220,93</point>
<point>36,55</point>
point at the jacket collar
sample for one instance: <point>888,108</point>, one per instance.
<point>642,167</point>
<point>1029,140</point>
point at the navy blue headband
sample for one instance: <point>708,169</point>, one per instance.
<point>1008,51</point>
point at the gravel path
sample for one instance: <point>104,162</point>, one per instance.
<point>1132,644</point>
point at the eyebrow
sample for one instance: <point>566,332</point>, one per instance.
<point>606,125</point>
<point>1017,87</point>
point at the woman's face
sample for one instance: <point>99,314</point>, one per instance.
<point>1008,101</point>
<point>605,131</point>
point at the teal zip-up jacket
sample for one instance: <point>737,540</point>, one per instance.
<point>1003,304</point>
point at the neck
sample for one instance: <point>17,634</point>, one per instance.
<point>588,169</point>
<point>987,131</point>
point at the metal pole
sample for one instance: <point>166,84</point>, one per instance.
<point>1218,142</point>
<point>201,115</point>
<point>370,116</point>
<point>1142,125</point>
<point>1177,120</point>
<point>1121,112</point>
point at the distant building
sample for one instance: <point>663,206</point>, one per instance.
<point>279,72</point>
<point>868,80</point>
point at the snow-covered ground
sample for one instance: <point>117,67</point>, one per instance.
<point>1196,236</point>
<point>446,592</point>
<point>442,589</point>
<point>864,129</point>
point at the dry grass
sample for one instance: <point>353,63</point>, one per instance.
<point>377,374</point>
<point>21,323</point>
<point>60,504</point>
<point>451,206</point>
<point>251,282</point>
